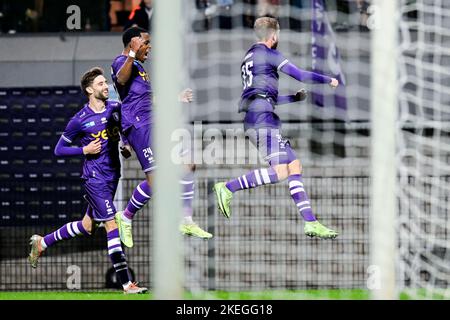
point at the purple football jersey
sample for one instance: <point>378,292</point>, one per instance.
<point>259,71</point>
<point>135,95</point>
<point>89,126</point>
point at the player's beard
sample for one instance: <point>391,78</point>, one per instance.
<point>275,45</point>
<point>101,96</point>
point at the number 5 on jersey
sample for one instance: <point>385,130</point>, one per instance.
<point>247,75</point>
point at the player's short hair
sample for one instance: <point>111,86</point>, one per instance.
<point>88,78</point>
<point>130,33</point>
<point>265,26</point>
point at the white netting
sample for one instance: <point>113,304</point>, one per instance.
<point>424,148</point>
<point>263,246</point>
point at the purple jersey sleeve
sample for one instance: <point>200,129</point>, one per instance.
<point>63,147</point>
<point>116,66</point>
<point>286,99</point>
<point>276,59</point>
<point>303,75</point>
<point>135,94</point>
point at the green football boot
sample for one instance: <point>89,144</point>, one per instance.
<point>316,229</point>
<point>125,232</point>
<point>223,196</point>
<point>192,229</point>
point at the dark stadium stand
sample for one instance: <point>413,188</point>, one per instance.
<point>36,186</point>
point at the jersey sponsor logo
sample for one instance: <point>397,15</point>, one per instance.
<point>88,124</point>
<point>103,120</point>
<point>83,114</point>
<point>144,76</point>
<point>107,133</point>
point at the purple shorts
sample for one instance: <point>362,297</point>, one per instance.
<point>141,142</point>
<point>271,145</point>
<point>100,197</point>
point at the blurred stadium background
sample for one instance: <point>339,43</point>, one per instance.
<point>262,248</point>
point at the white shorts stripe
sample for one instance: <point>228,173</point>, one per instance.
<point>75,228</point>
<point>240,182</point>
<point>113,242</point>
<point>273,155</point>
<point>150,169</point>
<point>186,198</point>
<point>265,176</point>
<point>187,193</point>
<point>186,182</point>
<point>137,202</point>
<point>304,208</point>
<point>69,229</point>
<point>117,249</point>
<point>297,190</point>
<point>142,192</point>
<point>258,177</point>
<point>295,183</point>
<point>244,178</point>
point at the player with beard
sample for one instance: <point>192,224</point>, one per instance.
<point>97,126</point>
<point>259,71</point>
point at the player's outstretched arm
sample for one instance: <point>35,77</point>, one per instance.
<point>300,95</point>
<point>307,76</point>
<point>124,74</point>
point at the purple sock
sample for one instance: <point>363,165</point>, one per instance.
<point>300,197</point>
<point>117,256</point>
<point>252,179</point>
<point>188,193</point>
<point>138,199</point>
<point>67,231</point>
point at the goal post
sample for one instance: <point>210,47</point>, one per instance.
<point>167,67</point>
<point>384,101</point>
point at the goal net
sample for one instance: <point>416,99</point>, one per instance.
<point>263,247</point>
<point>424,149</point>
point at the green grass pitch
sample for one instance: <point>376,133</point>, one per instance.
<point>347,294</point>
<point>207,295</point>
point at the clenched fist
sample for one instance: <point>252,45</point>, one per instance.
<point>301,95</point>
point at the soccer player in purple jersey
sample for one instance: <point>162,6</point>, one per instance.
<point>260,69</point>
<point>134,88</point>
<point>98,127</point>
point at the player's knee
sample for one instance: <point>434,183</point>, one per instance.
<point>149,179</point>
<point>110,225</point>
<point>88,227</point>
<point>295,167</point>
<point>282,171</point>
